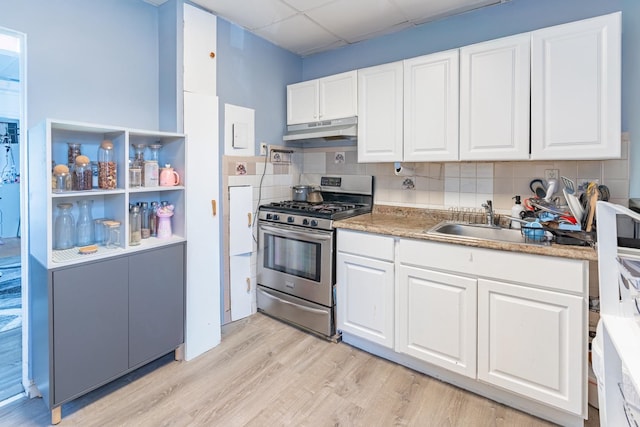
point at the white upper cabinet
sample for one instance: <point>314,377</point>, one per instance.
<point>431,107</point>
<point>380,113</point>
<point>575,90</point>
<point>302,102</point>
<point>199,51</point>
<point>494,99</point>
<point>332,97</point>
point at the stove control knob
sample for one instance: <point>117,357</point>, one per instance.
<point>314,223</point>
<point>305,221</point>
<point>290,219</point>
<point>269,216</point>
<point>276,217</point>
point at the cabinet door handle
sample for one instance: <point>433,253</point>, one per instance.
<point>249,218</point>
<point>248,284</point>
<point>214,208</point>
<point>212,55</point>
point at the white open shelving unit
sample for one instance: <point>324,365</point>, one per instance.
<point>48,146</point>
<point>618,364</point>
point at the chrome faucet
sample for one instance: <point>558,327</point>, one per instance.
<point>489,210</point>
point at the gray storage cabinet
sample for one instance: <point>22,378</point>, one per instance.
<point>96,321</point>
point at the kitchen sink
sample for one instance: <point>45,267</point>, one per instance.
<point>477,232</point>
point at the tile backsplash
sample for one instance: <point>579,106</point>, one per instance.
<point>466,184</point>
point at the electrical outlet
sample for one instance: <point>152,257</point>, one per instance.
<point>551,174</point>
<point>263,148</point>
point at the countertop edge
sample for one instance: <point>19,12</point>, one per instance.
<point>411,223</point>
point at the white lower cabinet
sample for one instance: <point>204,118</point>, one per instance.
<point>365,287</point>
<point>511,326</point>
<point>531,341</point>
<point>427,298</point>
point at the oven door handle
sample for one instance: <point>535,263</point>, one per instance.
<point>301,307</point>
<point>289,232</point>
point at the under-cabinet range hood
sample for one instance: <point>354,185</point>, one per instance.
<point>327,129</point>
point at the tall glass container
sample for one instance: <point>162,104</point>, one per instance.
<point>145,230</point>
<point>151,168</point>
<point>64,227</point>
<point>153,219</point>
<point>85,225</point>
<point>138,159</point>
<point>135,223</point>
<point>107,170</point>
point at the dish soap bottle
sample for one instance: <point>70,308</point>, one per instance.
<point>516,210</point>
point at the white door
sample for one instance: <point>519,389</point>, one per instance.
<point>302,102</point>
<point>364,304</point>
<point>242,290</point>
<point>199,51</point>
<point>431,107</point>
<point>436,315</point>
<point>532,342</point>
<point>240,220</point>
<point>380,114</point>
<point>494,99</point>
<point>575,90</point>
<point>338,96</point>
<point>203,224</point>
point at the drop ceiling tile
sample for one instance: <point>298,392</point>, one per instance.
<point>419,11</point>
<point>304,5</point>
<point>298,33</point>
<point>250,14</point>
<point>352,19</point>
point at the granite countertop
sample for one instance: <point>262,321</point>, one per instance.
<point>412,223</point>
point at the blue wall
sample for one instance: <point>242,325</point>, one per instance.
<point>515,16</point>
<point>94,61</point>
<point>254,73</point>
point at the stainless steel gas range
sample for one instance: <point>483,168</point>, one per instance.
<point>296,251</point>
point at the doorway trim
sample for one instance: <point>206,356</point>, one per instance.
<point>24,206</point>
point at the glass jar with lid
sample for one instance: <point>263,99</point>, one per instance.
<point>60,175</point>
<point>107,170</point>
<point>151,168</point>
<point>112,234</point>
<point>83,177</point>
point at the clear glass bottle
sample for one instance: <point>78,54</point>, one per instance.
<point>135,223</point>
<point>64,227</point>
<point>145,230</point>
<point>151,168</point>
<point>85,227</point>
<point>153,219</point>
<point>107,168</point>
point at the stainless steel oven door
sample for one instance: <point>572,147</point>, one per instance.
<point>297,261</point>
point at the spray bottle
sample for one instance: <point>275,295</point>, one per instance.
<point>516,209</point>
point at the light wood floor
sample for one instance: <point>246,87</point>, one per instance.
<point>265,373</point>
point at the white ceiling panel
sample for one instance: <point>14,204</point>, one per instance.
<point>372,16</point>
<point>304,5</point>
<point>250,14</point>
<point>312,26</point>
<point>298,33</point>
<point>419,11</point>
